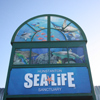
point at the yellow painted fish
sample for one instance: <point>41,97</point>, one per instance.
<point>36,25</point>
<point>59,62</point>
<point>42,27</point>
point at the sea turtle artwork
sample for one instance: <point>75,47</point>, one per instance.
<point>62,57</point>
<point>22,57</point>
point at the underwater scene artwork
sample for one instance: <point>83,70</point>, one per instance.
<point>21,56</point>
<point>37,29</point>
<point>38,23</point>
<point>66,28</point>
<point>41,56</point>
<point>76,55</point>
<point>56,35</point>
<point>40,36</point>
<point>57,56</point>
<point>24,34</point>
<point>64,56</point>
<point>34,30</point>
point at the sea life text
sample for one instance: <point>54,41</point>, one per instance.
<point>45,80</point>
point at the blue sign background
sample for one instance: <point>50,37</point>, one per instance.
<point>81,81</point>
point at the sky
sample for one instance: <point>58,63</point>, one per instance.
<point>86,13</point>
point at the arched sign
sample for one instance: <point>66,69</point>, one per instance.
<point>49,59</point>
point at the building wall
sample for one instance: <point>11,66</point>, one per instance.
<point>96,88</point>
<point>1,93</point>
<point>97,92</point>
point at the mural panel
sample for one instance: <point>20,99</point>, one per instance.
<point>67,28</point>
<point>24,34</point>
<point>21,56</point>
<point>76,55</point>
<point>56,35</point>
<point>40,36</point>
<point>39,56</point>
<point>58,56</point>
<point>38,23</point>
<point>37,30</point>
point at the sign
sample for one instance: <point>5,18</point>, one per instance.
<point>60,80</point>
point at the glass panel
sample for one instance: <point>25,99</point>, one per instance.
<point>21,56</point>
<point>76,55</point>
<point>66,27</point>
<point>38,23</point>
<point>73,33</point>
<point>24,34</point>
<point>57,35</point>
<point>39,56</point>
<point>58,56</point>
<point>57,22</point>
<point>40,36</point>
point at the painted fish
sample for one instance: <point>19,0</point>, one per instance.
<point>45,36</point>
<point>42,27</point>
<point>73,55</point>
<point>33,24</point>
<point>52,36</point>
<point>63,54</point>
<point>57,39</point>
<point>39,30</point>
<point>25,36</point>
<point>36,25</point>
<point>42,33</point>
<point>56,26</point>
<point>59,62</point>
<point>37,35</point>
<point>40,38</point>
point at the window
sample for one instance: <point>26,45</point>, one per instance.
<point>76,55</point>
<point>21,56</point>
<point>41,56</point>
<point>48,28</point>
<point>58,56</point>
